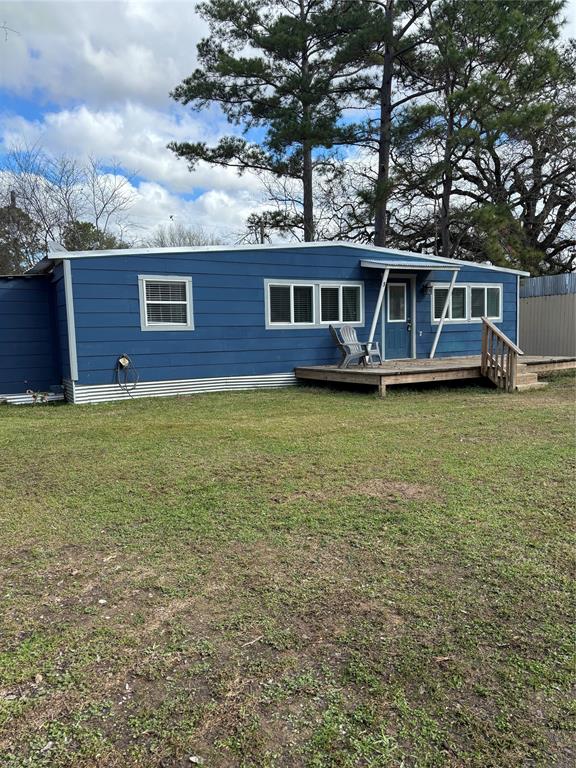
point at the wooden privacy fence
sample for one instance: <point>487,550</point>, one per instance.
<point>499,360</point>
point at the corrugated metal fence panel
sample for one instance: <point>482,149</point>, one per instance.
<point>548,285</point>
<point>548,325</point>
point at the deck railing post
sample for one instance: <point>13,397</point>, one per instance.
<point>499,358</point>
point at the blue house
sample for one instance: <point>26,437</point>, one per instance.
<point>106,325</point>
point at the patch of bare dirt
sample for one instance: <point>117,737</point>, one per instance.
<point>376,488</point>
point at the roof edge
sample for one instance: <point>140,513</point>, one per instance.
<point>147,251</point>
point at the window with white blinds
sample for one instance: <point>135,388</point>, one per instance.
<point>165,303</point>
<point>312,304</point>
<point>290,304</point>
<point>469,303</point>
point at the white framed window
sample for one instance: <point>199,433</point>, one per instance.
<point>291,304</point>
<point>303,304</point>
<point>340,303</point>
<point>458,307</point>
<point>396,304</point>
<point>165,303</point>
<point>469,302</point>
<point>486,301</point>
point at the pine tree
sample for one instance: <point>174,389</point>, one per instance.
<point>483,54</point>
<point>273,69</point>
<point>387,43</point>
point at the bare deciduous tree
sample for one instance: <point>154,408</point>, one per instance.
<point>58,191</point>
<point>178,234</point>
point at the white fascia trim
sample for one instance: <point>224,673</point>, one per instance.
<point>70,322</point>
<point>276,247</point>
<point>101,393</point>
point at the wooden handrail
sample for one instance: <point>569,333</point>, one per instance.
<point>499,360</point>
<point>505,339</point>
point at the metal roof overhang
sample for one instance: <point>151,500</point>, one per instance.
<point>408,266</point>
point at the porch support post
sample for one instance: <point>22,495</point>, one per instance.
<point>444,313</point>
<point>378,305</point>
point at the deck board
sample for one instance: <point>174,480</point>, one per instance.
<point>422,370</point>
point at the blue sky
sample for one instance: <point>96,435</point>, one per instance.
<point>93,78</point>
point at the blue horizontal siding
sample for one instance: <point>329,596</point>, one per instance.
<point>230,338</point>
<point>459,339</point>
<point>29,357</point>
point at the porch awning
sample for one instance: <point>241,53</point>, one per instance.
<point>408,266</point>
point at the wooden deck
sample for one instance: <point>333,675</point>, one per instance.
<point>422,370</point>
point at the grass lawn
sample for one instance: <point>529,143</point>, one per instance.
<point>297,577</point>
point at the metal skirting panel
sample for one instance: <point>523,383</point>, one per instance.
<point>548,325</point>
<point>68,386</point>
<point>23,398</point>
<point>101,393</point>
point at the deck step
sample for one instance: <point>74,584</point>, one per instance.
<point>527,378</point>
<point>521,387</point>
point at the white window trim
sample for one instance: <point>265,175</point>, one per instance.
<point>468,319</point>
<point>485,286</point>
<point>396,285</point>
<point>340,286</point>
<point>144,324</point>
<point>449,318</point>
<point>291,284</point>
<point>316,302</point>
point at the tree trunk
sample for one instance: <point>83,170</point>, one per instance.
<point>447,183</point>
<point>308,195</point>
<point>382,192</point>
<point>307,167</point>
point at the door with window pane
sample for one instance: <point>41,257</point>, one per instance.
<point>397,321</point>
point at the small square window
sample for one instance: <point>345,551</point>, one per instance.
<point>458,303</point>
<point>493,302</point>
<point>165,303</point>
<point>330,303</point>
<point>303,304</point>
<point>351,310</point>
<point>440,296</point>
<point>478,302</point>
<point>280,304</point>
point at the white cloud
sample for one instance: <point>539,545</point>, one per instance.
<point>99,52</point>
<point>216,212</point>
<point>134,135</point>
